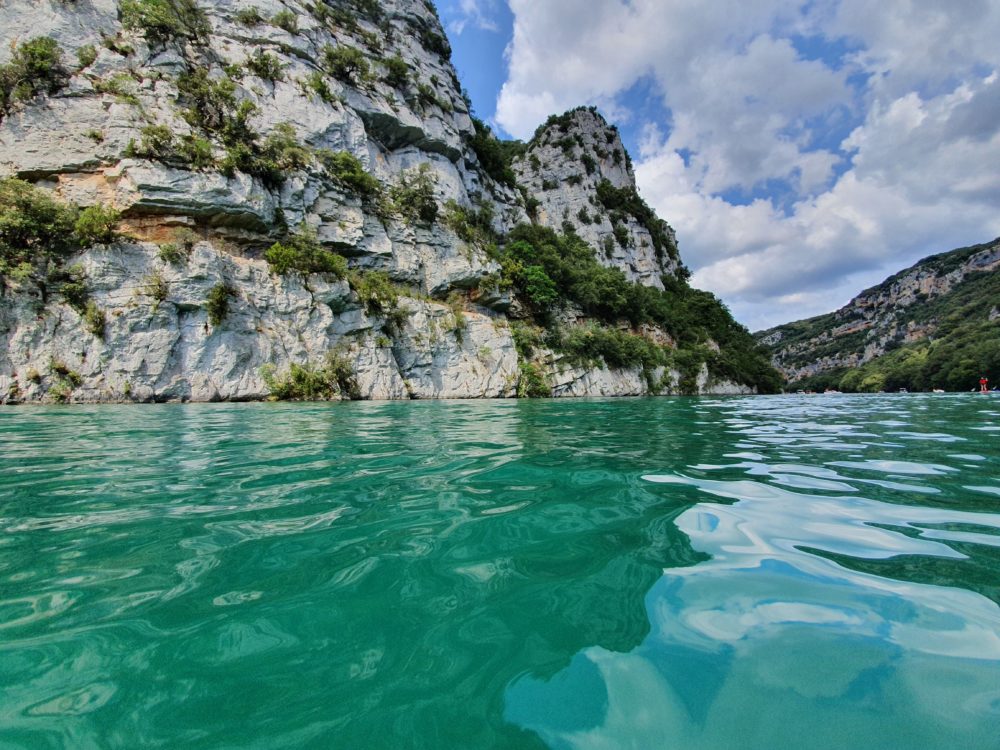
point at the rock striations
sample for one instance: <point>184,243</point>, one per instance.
<point>293,200</point>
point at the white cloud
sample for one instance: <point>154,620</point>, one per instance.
<point>917,174</point>
<point>475,13</point>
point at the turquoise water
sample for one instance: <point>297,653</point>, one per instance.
<point>775,572</point>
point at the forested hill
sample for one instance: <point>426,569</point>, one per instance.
<point>933,325</point>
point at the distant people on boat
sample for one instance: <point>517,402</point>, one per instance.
<point>982,384</point>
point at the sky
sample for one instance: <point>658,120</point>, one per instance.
<point>803,150</point>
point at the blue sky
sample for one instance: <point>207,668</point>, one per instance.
<point>802,149</point>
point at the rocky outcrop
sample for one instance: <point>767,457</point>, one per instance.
<point>232,130</point>
<point>900,310</point>
<point>578,171</point>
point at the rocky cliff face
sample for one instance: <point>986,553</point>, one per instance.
<point>222,130</point>
<point>581,176</point>
<point>908,307</point>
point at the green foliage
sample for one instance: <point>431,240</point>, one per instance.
<point>532,382</point>
<point>73,287</point>
<point>428,97</point>
<point>165,20</point>
<point>177,252</point>
<point>96,225</point>
<point>348,172</point>
<point>171,252</point>
<point>217,303</point>
<point>121,85</point>
<point>157,287</point>
<point>280,152</point>
<point>345,63</point>
<point>688,362</point>
<point>35,68</point>
<point>197,152</point>
<point>156,142</point>
<point>266,66</point>
<point>301,253</point>
<point>436,43</point>
<point>537,286</point>
<point>316,83</point>
<point>615,347</point>
<point>526,338</point>
<point>377,294</point>
<point>285,19</point>
<point>249,16</point>
<point>114,44</point>
<point>531,206</point>
<point>494,158</point>
<point>333,379</point>
<point>604,294</point>
<point>473,225</point>
<point>622,236</point>
<point>397,72</point>
<point>627,200</point>
<point>94,320</point>
<point>413,196</point>
<point>32,223</point>
<point>588,163</point>
<point>86,55</point>
<point>212,101</point>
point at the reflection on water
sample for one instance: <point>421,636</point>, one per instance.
<point>823,618</point>
<point>705,573</point>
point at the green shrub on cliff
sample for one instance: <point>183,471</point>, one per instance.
<point>347,171</point>
<point>333,379</point>
<point>266,66</point>
<point>97,225</point>
<point>33,225</point>
<point>397,72</point>
<point>301,253</point>
<point>287,20</point>
<point>35,67</point>
<point>217,303</point>
<point>347,64</point>
<point>493,157</point>
<point>165,20</point>
<point>413,196</point>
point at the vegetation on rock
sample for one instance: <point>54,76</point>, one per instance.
<point>301,252</point>
<point>548,269</point>
<point>35,68</point>
<point>165,20</point>
<point>217,303</point>
<point>887,340</point>
<point>333,379</point>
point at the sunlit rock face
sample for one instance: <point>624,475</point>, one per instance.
<point>219,136</point>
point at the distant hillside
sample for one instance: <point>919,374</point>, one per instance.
<point>933,325</point>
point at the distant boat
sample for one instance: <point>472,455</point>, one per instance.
<point>938,390</point>
<point>903,390</point>
<point>831,390</point>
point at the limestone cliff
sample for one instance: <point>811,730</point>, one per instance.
<point>922,310</point>
<point>249,149</point>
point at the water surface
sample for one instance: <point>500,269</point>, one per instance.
<point>779,572</point>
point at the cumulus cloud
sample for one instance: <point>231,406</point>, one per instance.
<point>775,214</point>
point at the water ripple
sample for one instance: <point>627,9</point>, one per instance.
<point>652,572</point>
